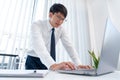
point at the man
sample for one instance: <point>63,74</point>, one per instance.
<point>40,56</point>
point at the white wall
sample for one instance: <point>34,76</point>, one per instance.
<point>98,11</point>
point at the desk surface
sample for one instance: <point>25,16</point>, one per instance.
<point>59,76</point>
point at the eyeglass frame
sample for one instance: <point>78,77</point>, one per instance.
<point>60,17</point>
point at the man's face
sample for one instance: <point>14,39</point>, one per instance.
<point>56,19</point>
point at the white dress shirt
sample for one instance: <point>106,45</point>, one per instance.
<point>40,42</point>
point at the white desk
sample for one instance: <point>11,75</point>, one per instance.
<point>58,76</point>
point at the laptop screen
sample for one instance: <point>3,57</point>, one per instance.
<point>110,49</point>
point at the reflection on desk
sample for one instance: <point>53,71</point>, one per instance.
<point>58,76</point>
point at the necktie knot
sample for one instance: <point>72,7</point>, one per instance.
<point>53,29</point>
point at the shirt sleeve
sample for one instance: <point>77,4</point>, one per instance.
<point>69,47</point>
<point>39,45</point>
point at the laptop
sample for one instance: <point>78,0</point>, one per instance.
<point>23,73</point>
<point>109,53</point>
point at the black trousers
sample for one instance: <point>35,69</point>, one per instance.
<point>34,63</point>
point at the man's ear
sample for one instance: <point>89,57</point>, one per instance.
<point>50,15</point>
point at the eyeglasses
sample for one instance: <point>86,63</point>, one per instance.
<point>60,18</point>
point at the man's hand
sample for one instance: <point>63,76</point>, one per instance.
<point>68,66</point>
<point>63,66</point>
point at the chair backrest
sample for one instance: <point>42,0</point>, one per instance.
<point>9,61</point>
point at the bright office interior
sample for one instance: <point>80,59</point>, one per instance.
<point>85,24</point>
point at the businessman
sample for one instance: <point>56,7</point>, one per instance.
<point>44,37</point>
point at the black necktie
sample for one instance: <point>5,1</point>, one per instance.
<point>52,47</point>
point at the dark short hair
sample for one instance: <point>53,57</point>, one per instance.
<point>57,7</point>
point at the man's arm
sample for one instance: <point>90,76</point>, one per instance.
<point>72,52</point>
<point>69,47</point>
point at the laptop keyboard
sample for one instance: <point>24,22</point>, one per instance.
<point>80,69</point>
<point>92,69</point>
